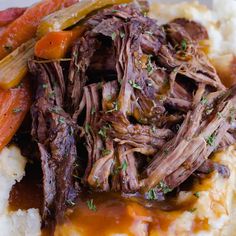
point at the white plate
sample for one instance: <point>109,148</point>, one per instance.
<point>22,3</point>
<point>16,3</point>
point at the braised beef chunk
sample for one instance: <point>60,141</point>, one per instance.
<point>196,31</point>
<point>55,133</point>
<point>141,98</point>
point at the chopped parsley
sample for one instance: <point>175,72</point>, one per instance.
<point>93,110</point>
<point>115,107</point>
<point>17,110</point>
<point>70,203</point>
<point>113,36</point>
<point>91,205</point>
<point>120,81</point>
<point>150,68</point>
<point>61,120</point>
<point>148,32</point>
<point>184,45</point>
<point>122,34</point>
<point>52,94</point>
<point>165,189</point>
<point>153,128</point>
<point>103,131</point>
<point>106,152</point>
<point>151,195</point>
<point>204,101</point>
<point>197,194</point>
<point>219,115</point>
<point>135,85</point>
<point>210,140</point>
<point>55,109</point>
<point>87,128</point>
<point>114,11</point>
<point>122,167</point>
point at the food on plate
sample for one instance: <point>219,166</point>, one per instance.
<point>24,27</point>
<point>127,123</point>
<point>9,15</point>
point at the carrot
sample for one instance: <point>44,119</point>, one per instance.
<point>10,14</point>
<point>15,103</point>
<point>55,45</point>
<point>24,27</point>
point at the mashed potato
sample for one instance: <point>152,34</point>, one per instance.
<point>19,223</point>
<point>220,21</point>
<point>212,213</point>
<point>214,208</point>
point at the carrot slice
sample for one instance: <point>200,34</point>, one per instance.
<point>10,14</point>
<point>55,45</point>
<point>15,103</point>
<point>24,27</point>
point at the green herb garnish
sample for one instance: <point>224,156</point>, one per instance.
<point>61,120</point>
<point>103,131</point>
<point>106,152</point>
<point>115,107</point>
<point>87,128</point>
<point>93,110</point>
<point>122,34</point>
<point>184,45</point>
<point>150,67</point>
<point>197,194</point>
<point>204,101</point>
<point>153,128</point>
<point>70,203</point>
<point>122,167</point>
<point>151,195</point>
<point>135,85</point>
<point>148,32</point>
<point>55,109</point>
<point>17,110</point>
<point>91,205</point>
<point>165,189</point>
<point>219,115</point>
<point>211,140</point>
<point>113,36</point>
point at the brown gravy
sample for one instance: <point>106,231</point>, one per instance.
<point>114,213</point>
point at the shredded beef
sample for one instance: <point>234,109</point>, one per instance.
<point>135,90</point>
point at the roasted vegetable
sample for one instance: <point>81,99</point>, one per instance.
<point>13,67</point>
<point>65,18</point>
<point>24,27</point>
<point>15,103</point>
<point>55,45</point>
<point>10,14</point>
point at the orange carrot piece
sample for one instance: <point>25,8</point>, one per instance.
<point>10,14</point>
<point>24,27</point>
<point>15,104</point>
<point>55,45</point>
